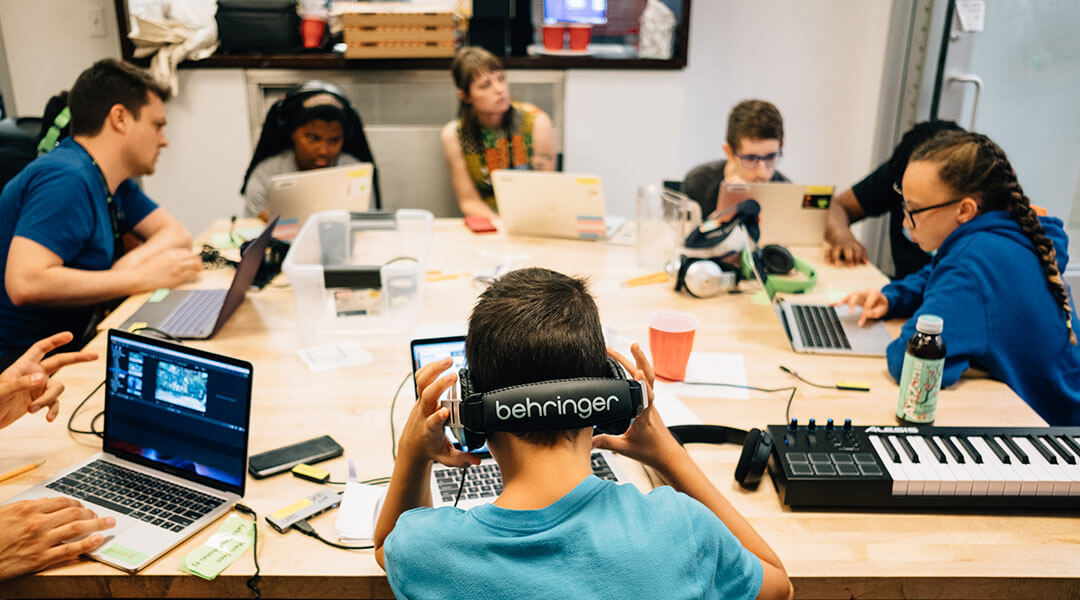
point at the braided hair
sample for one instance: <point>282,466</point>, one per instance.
<point>973,164</point>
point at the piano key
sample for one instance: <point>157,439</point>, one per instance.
<point>938,481</point>
<point>951,449</point>
<point>1041,449</point>
<point>1059,449</point>
<point>885,452</point>
<point>916,478</point>
<point>890,450</point>
<point>938,454</point>
<point>1003,482</point>
<point>1071,443</point>
<point>1014,449</point>
<point>963,474</point>
<point>1057,476</point>
<point>972,452</point>
<point>996,449</point>
<point>903,441</point>
<point>1030,484</point>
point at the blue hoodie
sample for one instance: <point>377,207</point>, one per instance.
<point>987,284</point>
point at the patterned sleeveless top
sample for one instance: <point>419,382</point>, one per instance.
<point>492,151</point>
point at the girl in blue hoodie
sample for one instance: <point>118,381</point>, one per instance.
<point>995,278</point>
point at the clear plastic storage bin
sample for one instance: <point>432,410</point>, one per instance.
<point>359,273</point>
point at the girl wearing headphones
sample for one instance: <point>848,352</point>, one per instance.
<point>312,127</point>
<point>995,278</point>
<point>492,132</point>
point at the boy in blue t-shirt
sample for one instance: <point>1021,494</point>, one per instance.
<point>557,530</point>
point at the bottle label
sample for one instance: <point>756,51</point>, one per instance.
<point>920,381</point>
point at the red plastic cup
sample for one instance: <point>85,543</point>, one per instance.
<point>580,33</point>
<point>553,36</point>
<point>671,337</point>
<point>312,28</point>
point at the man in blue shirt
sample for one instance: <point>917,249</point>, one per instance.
<point>63,217</point>
<point>556,530</point>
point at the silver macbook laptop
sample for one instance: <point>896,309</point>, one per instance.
<point>821,328</point>
<point>174,455</point>
<point>199,314</point>
<point>791,214</point>
<point>483,483</point>
<point>296,196</point>
<point>547,204</point>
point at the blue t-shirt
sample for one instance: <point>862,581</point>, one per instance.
<point>59,201</point>
<point>600,540</point>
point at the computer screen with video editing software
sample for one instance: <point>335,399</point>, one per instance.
<point>180,410</point>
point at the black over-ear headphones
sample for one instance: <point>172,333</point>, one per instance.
<point>288,105</point>
<point>609,404</point>
<point>757,446</point>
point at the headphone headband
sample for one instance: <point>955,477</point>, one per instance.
<point>552,405</point>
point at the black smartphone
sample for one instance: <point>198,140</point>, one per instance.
<point>279,460</point>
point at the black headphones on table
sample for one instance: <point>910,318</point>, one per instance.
<point>757,446</point>
<point>607,403</point>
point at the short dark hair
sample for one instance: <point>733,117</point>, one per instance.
<point>106,83</point>
<point>534,325</point>
<point>754,120</point>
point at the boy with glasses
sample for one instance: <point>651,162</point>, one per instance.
<point>753,146</point>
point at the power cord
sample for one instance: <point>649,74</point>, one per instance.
<point>787,409</point>
<point>461,488</point>
<point>253,581</point>
<point>393,403</point>
<point>157,333</point>
<point>71,418</point>
<point>847,386</point>
<point>305,528</point>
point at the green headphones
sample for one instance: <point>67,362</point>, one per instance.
<point>53,135</point>
<point>773,261</point>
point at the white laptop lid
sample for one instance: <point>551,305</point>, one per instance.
<point>791,214</point>
<point>296,196</point>
<point>548,204</point>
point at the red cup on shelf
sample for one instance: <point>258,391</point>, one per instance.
<point>554,36</point>
<point>671,337</point>
<point>312,29</point>
<point>580,33</point>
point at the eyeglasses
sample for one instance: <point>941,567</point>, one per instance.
<point>910,214</point>
<point>751,160</point>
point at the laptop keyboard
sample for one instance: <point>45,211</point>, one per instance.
<point>485,480</point>
<point>137,495</point>
<point>819,327</point>
<point>191,317</point>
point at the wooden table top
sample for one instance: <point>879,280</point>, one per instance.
<point>828,554</point>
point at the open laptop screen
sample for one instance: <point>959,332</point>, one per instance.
<point>181,410</point>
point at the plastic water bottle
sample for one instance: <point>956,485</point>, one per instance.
<point>920,379</point>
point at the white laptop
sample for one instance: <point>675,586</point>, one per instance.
<point>548,204</point>
<point>821,328</point>
<point>791,214</point>
<point>174,456</point>
<point>483,483</point>
<point>296,196</point>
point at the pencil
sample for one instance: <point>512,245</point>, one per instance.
<point>20,470</point>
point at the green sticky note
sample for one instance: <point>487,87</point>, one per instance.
<point>222,549</point>
<point>760,298</point>
<point>124,554</point>
<point>158,295</point>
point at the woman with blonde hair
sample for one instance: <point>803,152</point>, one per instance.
<point>491,132</point>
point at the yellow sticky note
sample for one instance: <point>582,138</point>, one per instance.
<point>588,180</point>
<point>290,509</point>
<point>136,326</point>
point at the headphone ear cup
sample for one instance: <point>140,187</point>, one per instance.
<point>777,259</point>
<point>472,439</point>
<point>754,458</point>
<point>615,370</point>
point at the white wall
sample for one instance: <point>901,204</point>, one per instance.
<point>198,176</point>
<point>820,62</point>
<point>47,45</point>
